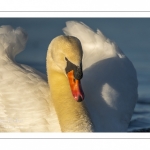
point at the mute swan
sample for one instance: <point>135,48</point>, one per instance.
<point>109,84</point>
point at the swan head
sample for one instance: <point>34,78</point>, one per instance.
<point>66,53</point>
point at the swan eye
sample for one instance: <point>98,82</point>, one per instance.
<point>66,59</point>
<point>77,70</point>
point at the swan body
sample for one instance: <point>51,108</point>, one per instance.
<point>24,92</point>
<point>109,79</point>
<point>27,104</point>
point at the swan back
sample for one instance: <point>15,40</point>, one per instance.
<point>96,46</point>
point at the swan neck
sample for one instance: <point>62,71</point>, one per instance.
<point>72,115</point>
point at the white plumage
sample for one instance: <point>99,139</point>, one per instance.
<point>24,92</point>
<point>109,79</point>
<point>109,84</point>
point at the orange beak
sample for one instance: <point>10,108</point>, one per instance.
<point>75,86</point>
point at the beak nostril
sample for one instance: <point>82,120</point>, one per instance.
<point>74,80</point>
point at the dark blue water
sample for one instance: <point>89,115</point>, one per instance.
<point>132,35</point>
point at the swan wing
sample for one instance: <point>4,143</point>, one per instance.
<point>109,79</point>
<point>95,45</point>
<point>25,104</point>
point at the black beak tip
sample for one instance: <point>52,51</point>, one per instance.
<point>80,99</point>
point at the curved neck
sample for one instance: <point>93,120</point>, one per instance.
<point>72,115</point>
